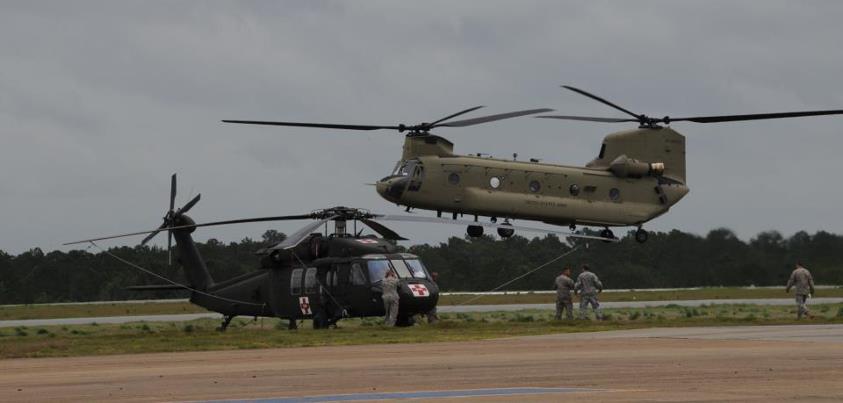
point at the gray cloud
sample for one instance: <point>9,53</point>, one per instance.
<point>101,101</point>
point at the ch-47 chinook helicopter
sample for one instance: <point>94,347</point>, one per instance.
<point>637,176</point>
<point>309,275</point>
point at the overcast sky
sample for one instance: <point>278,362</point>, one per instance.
<point>101,101</point>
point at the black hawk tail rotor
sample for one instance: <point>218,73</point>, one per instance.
<point>171,219</point>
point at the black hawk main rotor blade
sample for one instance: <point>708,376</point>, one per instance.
<point>207,224</point>
<point>383,230</point>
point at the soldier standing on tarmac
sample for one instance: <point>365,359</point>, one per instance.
<point>564,286</point>
<point>389,287</point>
<point>588,286</point>
<point>432,316</point>
<point>803,284</point>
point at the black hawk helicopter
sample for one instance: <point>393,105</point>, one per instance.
<point>309,275</point>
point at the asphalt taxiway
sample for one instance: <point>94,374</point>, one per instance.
<point>741,363</point>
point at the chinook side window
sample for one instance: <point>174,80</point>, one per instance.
<point>295,282</point>
<point>310,283</point>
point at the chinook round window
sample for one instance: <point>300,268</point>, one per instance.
<point>495,182</point>
<point>454,178</point>
<point>535,186</point>
<point>574,189</point>
<point>615,194</point>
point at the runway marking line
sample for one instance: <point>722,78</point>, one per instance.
<point>431,394</point>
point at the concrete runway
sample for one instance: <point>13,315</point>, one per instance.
<point>742,363</point>
<point>443,309</point>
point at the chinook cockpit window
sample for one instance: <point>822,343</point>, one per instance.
<point>602,151</point>
<point>405,168</point>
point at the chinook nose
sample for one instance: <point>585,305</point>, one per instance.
<point>392,188</point>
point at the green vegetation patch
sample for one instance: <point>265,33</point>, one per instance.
<point>200,335</point>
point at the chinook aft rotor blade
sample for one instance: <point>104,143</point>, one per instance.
<point>319,125</point>
<point>601,100</point>
<point>437,220</point>
<point>647,121</point>
<point>207,224</point>
<point>756,116</point>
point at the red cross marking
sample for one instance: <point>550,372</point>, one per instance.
<point>368,241</point>
<point>419,290</point>
<point>304,305</point>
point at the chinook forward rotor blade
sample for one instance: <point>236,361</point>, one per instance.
<point>491,118</point>
<point>319,125</point>
<point>437,220</point>
<point>460,113</point>
<point>416,128</point>
<point>207,224</point>
<point>756,116</point>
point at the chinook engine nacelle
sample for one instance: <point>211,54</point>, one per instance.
<point>625,167</point>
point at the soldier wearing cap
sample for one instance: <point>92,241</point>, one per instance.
<point>564,287</point>
<point>389,287</point>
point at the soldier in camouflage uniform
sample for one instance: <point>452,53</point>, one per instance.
<point>564,286</point>
<point>588,286</point>
<point>803,284</point>
<point>432,315</point>
<point>389,287</point>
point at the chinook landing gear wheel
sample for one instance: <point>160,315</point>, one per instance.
<point>642,235</point>
<point>475,231</point>
<point>506,232</point>
<point>607,233</point>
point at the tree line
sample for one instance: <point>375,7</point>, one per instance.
<point>668,259</point>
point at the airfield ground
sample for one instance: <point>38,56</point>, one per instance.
<point>666,353</point>
<point>200,334</point>
<point>747,364</point>
<point>44,311</point>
